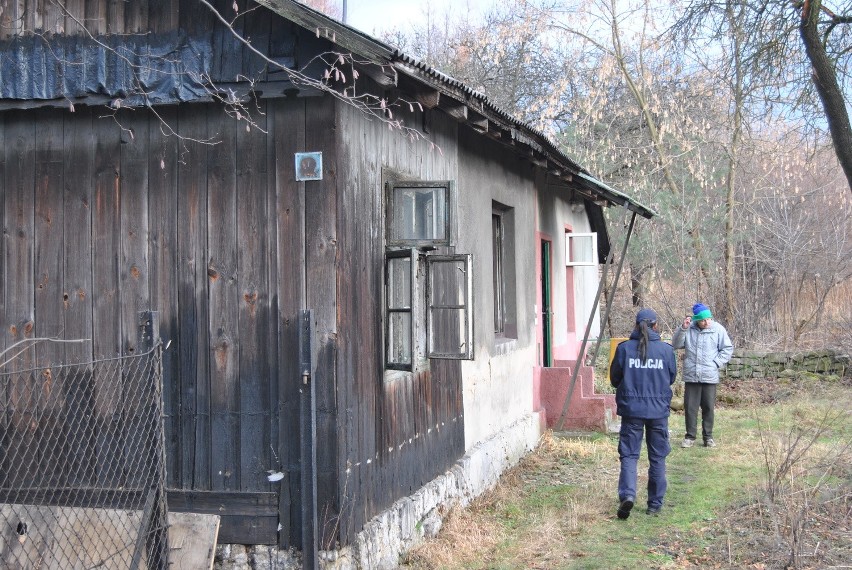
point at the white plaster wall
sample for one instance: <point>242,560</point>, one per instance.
<point>498,387</point>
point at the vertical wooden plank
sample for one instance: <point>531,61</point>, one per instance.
<point>4,321</point>
<point>33,16</point>
<point>136,17</point>
<point>49,212</point>
<point>194,17</point>
<point>289,137</point>
<point>10,19</point>
<point>106,327</point>
<point>96,16</point>
<point>193,342</point>
<point>227,64</point>
<point>257,30</point>
<point>163,15</point>
<point>75,15</point>
<point>49,253</point>
<point>272,346</point>
<point>254,316</point>
<point>19,197</point>
<point>54,18</point>
<point>361,279</point>
<point>163,254</point>
<point>133,276</point>
<point>322,275</point>
<point>78,155</point>
<point>224,294</point>
<point>115,16</point>
<point>133,264</point>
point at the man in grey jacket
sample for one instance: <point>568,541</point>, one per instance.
<point>708,348</point>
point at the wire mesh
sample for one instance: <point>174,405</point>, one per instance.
<point>82,472</point>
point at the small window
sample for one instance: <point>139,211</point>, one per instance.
<point>581,249</point>
<point>449,306</point>
<point>419,213</point>
<point>497,270</point>
<point>503,270</point>
<point>400,271</point>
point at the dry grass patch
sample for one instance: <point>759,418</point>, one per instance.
<point>524,520</point>
<point>464,534</point>
<point>556,509</point>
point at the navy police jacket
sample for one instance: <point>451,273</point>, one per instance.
<point>643,388</point>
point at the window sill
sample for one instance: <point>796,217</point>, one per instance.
<point>396,375</point>
<point>504,345</point>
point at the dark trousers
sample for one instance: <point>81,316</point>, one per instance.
<point>699,395</point>
<point>629,446</point>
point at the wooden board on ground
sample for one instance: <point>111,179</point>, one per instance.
<point>66,537</point>
<point>192,540</point>
<point>73,537</point>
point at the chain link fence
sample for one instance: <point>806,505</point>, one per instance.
<point>82,465</point>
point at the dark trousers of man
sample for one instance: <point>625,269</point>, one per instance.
<point>699,395</point>
<point>629,446</point>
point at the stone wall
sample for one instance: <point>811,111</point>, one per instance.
<point>754,364</point>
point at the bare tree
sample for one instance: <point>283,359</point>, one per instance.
<point>788,68</point>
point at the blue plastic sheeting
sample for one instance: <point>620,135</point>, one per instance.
<point>140,70</point>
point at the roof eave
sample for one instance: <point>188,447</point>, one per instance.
<point>468,106</point>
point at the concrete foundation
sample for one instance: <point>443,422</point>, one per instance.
<point>388,536</point>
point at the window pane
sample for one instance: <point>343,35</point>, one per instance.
<point>399,283</point>
<point>448,321</point>
<point>398,307</point>
<point>399,338</point>
<point>447,331</point>
<point>497,269</point>
<point>581,249</point>
<point>419,214</point>
<point>449,285</point>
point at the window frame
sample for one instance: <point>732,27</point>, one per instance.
<point>411,309</point>
<point>449,197</point>
<point>572,236</point>
<point>466,307</point>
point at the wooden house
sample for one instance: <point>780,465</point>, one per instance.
<point>442,268</point>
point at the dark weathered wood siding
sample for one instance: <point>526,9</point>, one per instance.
<point>102,221</point>
<point>395,435</point>
<point>109,16</point>
<point>104,218</point>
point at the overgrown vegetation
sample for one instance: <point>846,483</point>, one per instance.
<point>777,493</point>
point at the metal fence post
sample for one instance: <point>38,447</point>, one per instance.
<point>308,424</point>
<point>155,528</point>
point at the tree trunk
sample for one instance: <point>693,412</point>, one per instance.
<point>825,79</point>
<point>728,309</point>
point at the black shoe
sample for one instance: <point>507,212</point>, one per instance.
<point>653,511</point>
<point>625,507</point>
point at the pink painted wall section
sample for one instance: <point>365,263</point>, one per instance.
<point>568,351</point>
<point>587,410</point>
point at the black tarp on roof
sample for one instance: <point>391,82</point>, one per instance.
<point>143,69</point>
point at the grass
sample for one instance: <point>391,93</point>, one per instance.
<point>556,509</point>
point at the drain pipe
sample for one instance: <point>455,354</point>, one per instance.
<point>561,424</point>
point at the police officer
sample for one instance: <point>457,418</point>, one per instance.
<point>642,372</point>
